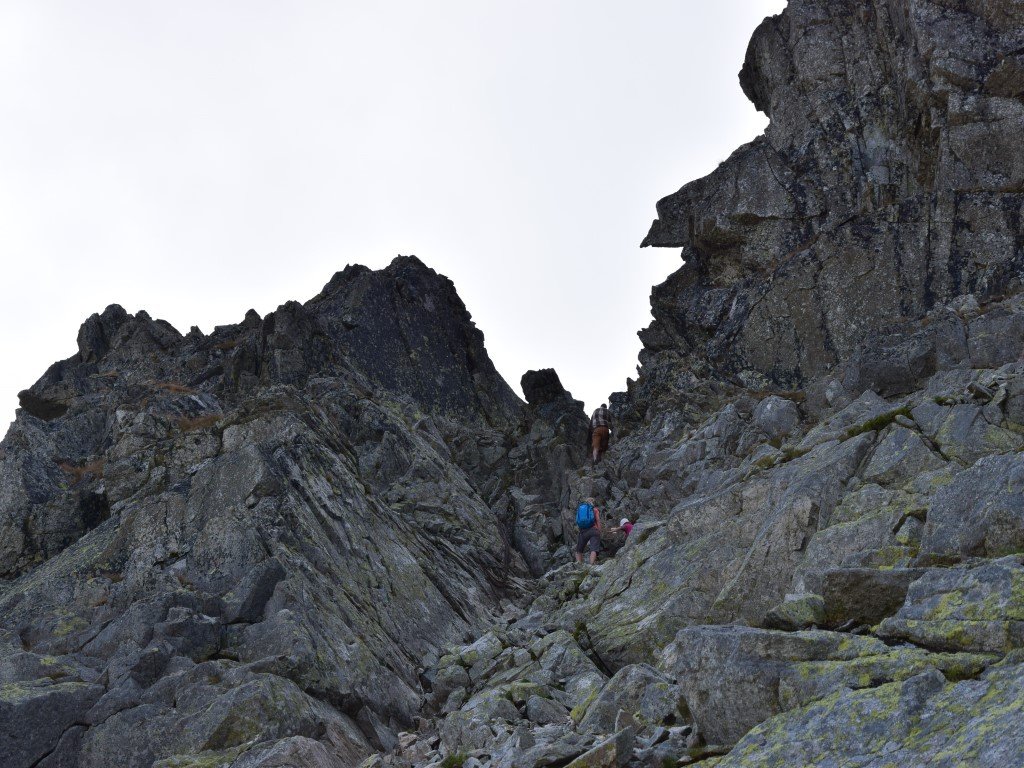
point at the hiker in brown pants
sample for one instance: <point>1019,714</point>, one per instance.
<point>601,430</point>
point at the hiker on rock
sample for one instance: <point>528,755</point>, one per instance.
<point>600,430</point>
<point>625,526</point>
<point>588,520</point>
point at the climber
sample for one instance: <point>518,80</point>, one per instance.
<point>588,520</point>
<point>625,526</point>
<point>601,430</point>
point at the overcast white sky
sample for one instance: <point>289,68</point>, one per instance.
<point>197,158</point>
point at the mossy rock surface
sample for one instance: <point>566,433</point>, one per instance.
<point>802,612</point>
<point>969,608</point>
<point>923,720</point>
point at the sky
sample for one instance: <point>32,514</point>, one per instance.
<point>197,158</point>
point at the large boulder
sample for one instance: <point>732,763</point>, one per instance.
<point>777,417</point>
<point>922,720</point>
<point>857,596</point>
<point>640,691</point>
<point>980,513</point>
<point>734,678</point>
<point>975,608</point>
<point>730,675</point>
<point>35,715</point>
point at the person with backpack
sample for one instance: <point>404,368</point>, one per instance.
<point>588,521</point>
<point>600,430</point>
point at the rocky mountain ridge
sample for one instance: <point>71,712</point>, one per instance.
<point>274,523</point>
<point>333,536</point>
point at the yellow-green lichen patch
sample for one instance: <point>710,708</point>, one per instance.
<point>580,709</point>
<point>877,423</point>
<point>956,635</point>
<point>807,681</point>
<point>919,721</point>
<point>205,759</point>
<point>16,693</point>
<point>69,625</point>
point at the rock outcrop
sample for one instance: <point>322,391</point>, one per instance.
<point>774,590</point>
<point>889,181</point>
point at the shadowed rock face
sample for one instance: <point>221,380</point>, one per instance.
<point>402,332</point>
<point>547,397</point>
<point>890,180</point>
<point>408,330</point>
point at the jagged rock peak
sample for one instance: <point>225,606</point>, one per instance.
<point>543,387</point>
<point>549,400</point>
<point>407,328</point>
<point>104,332</point>
<point>404,327</point>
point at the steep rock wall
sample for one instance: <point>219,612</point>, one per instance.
<point>889,181</point>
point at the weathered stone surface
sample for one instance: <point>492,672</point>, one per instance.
<point>976,608</point>
<point>804,682</point>
<point>797,612</point>
<point>611,753</point>
<point>899,363</point>
<point>963,432</point>
<point>486,648</point>
<point>215,708</point>
<point>65,754</point>
<point>461,731</point>
<point>730,674</point>
<point>901,455</point>
<point>855,596</point>
<point>34,717</point>
<point>793,254</point>
<point>545,711</point>
<point>867,541</point>
<point>247,600</point>
<point>545,746</point>
<point>735,677</point>
<point>919,721</point>
<point>776,417</point>
<point>981,513</point>
<point>727,556</point>
<point>292,752</point>
<point>545,394</point>
<point>642,692</point>
<point>861,415</point>
<point>491,705</point>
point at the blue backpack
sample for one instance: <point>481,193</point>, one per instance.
<point>585,516</point>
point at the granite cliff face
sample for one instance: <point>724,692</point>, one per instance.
<point>334,536</point>
<point>889,182</point>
